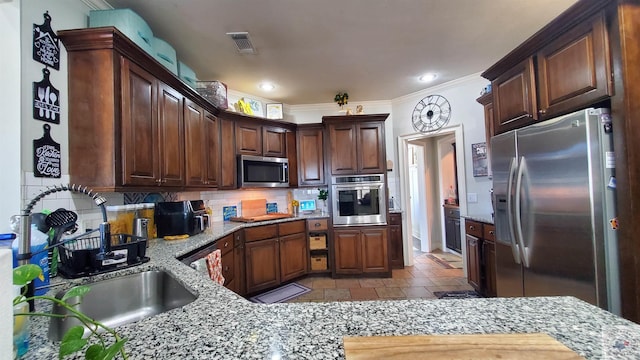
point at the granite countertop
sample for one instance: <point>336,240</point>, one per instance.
<point>485,218</point>
<point>222,325</point>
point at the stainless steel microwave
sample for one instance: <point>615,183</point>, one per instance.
<point>260,171</point>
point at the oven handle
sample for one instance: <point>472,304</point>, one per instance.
<point>359,187</point>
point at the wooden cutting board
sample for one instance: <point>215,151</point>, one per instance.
<point>252,208</point>
<point>451,347</point>
<point>273,216</point>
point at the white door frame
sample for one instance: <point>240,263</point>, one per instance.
<point>403,143</point>
<point>424,236</point>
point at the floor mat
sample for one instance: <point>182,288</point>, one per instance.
<point>281,294</point>
<point>465,294</point>
<point>447,264</point>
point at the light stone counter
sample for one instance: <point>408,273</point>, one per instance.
<point>222,325</point>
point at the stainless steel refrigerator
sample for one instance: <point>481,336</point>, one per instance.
<point>554,198</point>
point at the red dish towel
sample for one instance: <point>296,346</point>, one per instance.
<point>214,266</point>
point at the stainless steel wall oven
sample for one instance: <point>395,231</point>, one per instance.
<point>359,200</point>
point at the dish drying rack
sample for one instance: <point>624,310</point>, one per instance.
<point>79,258</point>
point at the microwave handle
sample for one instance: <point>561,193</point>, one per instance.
<point>284,178</point>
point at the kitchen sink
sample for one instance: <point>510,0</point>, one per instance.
<point>123,300</point>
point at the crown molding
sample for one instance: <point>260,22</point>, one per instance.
<point>333,106</point>
<point>440,87</point>
<point>97,4</point>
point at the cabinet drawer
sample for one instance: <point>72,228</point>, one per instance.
<point>473,228</point>
<point>489,232</point>
<point>395,219</point>
<point>317,242</point>
<point>260,232</point>
<point>317,224</point>
<point>225,244</point>
<point>292,227</point>
<point>452,212</point>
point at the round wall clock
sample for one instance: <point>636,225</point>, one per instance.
<point>431,113</point>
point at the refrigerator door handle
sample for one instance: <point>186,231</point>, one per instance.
<point>522,168</point>
<point>514,246</point>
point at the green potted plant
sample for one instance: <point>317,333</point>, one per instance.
<point>323,195</point>
<point>99,346</point>
<point>341,99</point>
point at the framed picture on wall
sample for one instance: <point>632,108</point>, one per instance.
<point>480,161</point>
<point>274,111</point>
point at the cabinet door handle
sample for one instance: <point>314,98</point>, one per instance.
<point>490,232</point>
<point>471,227</point>
<point>226,244</point>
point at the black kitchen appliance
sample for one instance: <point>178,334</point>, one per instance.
<point>181,217</point>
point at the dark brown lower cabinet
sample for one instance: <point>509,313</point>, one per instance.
<point>361,251</point>
<point>473,262</point>
<point>293,256</point>
<point>348,251</point>
<point>396,241</point>
<point>489,260</point>
<point>375,255</point>
<point>262,264</point>
<point>275,254</point>
<point>481,257</point>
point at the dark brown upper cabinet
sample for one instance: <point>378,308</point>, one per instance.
<point>202,156</point>
<point>575,69</point>
<point>356,144</point>
<point>126,115</point>
<point>514,97</point>
<point>310,155</point>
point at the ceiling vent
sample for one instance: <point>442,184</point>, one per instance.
<point>243,42</point>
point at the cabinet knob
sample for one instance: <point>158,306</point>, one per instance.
<point>317,225</point>
<point>542,111</point>
<point>226,244</point>
<point>226,268</point>
<point>491,232</point>
<point>471,227</point>
<point>158,181</point>
<point>164,181</point>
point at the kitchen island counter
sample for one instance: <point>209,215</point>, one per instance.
<point>222,325</point>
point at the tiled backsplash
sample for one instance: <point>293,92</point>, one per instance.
<point>89,215</point>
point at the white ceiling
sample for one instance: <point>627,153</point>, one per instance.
<point>372,49</point>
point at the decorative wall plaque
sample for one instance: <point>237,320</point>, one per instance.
<point>46,100</point>
<point>46,155</point>
<point>46,45</point>
<point>480,161</point>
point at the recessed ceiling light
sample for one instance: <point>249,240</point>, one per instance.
<point>427,77</point>
<point>266,86</point>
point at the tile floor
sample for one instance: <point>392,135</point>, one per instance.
<point>413,282</point>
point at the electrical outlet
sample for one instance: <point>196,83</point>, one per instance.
<point>472,197</point>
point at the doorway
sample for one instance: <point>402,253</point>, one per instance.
<point>423,188</point>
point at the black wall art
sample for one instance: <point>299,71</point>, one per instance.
<point>46,45</point>
<point>46,100</point>
<point>46,155</point>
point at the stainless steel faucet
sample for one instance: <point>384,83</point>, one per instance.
<point>24,245</point>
